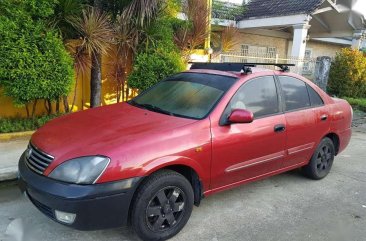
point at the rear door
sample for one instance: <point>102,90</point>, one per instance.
<point>245,151</point>
<point>306,119</point>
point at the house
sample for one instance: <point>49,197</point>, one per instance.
<point>297,29</point>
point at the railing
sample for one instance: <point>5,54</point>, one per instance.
<point>305,67</point>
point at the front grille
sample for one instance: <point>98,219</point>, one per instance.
<point>41,207</point>
<point>37,160</point>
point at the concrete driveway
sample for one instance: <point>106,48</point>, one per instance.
<point>284,207</point>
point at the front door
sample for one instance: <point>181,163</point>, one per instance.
<point>244,151</point>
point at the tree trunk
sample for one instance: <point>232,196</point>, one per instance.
<point>58,105</point>
<point>66,104</point>
<point>27,109</point>
<point>95,80</point>
<point>34,107</point>
<point>96,71</point>
<point>49,103</point>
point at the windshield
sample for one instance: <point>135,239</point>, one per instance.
<point>189,95</point>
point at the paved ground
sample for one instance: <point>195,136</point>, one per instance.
<point>284,207</point>
<point>10,153</point>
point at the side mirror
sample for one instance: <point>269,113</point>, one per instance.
<point>240,116</point>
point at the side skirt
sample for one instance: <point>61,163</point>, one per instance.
<point>256,178</point>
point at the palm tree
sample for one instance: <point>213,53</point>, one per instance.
<point>96,33</point>
<point>95,29</point>
<point>194,31</point>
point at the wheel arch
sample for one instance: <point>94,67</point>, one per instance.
<point>185,170</point>
<point>335,138</point>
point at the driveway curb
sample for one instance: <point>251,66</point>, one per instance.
<point>8,173</point>
<point>11,136</point>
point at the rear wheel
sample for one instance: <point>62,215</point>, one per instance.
<point>322,160</point>
<point>163,206</point>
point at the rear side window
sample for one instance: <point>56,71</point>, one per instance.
<point>295,93</point>
<point>315,98</point>
<point>258,95</point>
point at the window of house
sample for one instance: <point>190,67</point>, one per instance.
<point>260,51</point>
<point>272,51</point>
<point>258,95</point>
<point>306,67</point>
<point>295,93</point>
<point>244,49</point>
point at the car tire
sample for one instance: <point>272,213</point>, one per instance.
<point>162,206</point>
<point>322,160</point>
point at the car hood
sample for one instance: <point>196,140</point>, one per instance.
<point>100,130</point>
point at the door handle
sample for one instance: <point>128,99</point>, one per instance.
<point>279,128</point>
<point>324,117</point>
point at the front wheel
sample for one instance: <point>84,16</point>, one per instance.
<point>162,206</point>
<point>322,160</point>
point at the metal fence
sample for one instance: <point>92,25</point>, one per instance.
<point>305,66</point>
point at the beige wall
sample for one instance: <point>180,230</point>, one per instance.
<point>323,49</point>
<point>320,48</point>
<point>252,39</point>
<point>284,45</point>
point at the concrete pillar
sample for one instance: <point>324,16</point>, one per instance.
<point>357,39</point>
<point>299,40</point>
<point>322,70</point>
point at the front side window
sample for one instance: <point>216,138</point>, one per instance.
<point>189,95</point>
<point>295,93</point>
<point>258,96</point>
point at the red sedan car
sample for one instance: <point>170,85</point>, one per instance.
<point>148,161</point>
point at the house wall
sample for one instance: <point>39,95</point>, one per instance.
<point>320,48</point>
<point>284,45</point>
<point>260,40</point>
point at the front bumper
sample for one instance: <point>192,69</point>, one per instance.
<point>97,206</point>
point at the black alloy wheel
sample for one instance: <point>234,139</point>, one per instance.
<point>165,209</point>
<point>322,160</point>
<point>162,206</point>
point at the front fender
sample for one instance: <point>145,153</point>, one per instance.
<point>163,162</point>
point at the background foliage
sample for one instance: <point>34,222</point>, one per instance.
<point>158,56</point>
<point>348,74</point>
<point>33,61</point>
<point>8,125</point>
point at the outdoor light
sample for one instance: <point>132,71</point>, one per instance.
<point>209,51</point>
<point>64,217</point>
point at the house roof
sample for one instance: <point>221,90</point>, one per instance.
<point>275,8</point>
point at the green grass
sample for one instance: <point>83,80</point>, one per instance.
<point>357,103</point>
<point>17,124</point>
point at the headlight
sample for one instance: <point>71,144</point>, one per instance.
<point>82,170</point>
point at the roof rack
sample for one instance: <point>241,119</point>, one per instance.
<point>244,68</point>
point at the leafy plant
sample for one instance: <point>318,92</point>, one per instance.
<point>18,124</point>
<point>225,40</point>
<point>158,56</point>
<point>192,32</point>
<point>150,68</point>
<point>358,103</point>
<point>96,32</point>
<point>33,61</point>
<point>226,10</point>
<point>348,74</point>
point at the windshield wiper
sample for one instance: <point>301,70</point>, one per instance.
<point>154,108</point>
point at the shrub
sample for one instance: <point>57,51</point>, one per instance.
<point>17,124</point>
<point>158,56</point>
<point>348,74</point>
<point>357,103</point>
<point>150,68</point>
<point>33,61</point>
